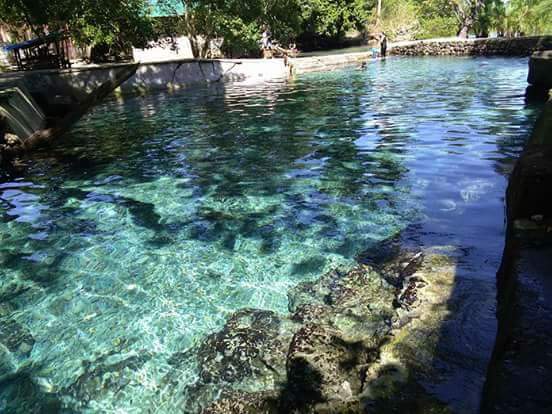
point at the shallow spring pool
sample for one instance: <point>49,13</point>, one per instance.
<point>159,216</point>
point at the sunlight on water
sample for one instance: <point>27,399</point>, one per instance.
<point>160,216</point>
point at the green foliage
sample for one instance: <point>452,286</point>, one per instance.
<point>440,18</point>
<point>439,26</point>
<point>119,23</point>
<point>112,22</point>
<point>400,19</point>
<point>333,18</point>
<point>529,17</point>
<point>239,22</point>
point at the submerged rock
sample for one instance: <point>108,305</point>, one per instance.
<point>8,366</point>
<point>16,344</point>
<point>21,394</point>
<point>248,354</point>
<point>12,288</point>
<point>246,403</point>
<point>15,338</point>
<point>366,340</point>
<point>108,374</point>
<point>408,361</point>
<point>358,304</point>
<point>322,366</point>
<point>253,343</point>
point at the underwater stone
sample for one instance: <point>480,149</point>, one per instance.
<point>12,289</point>
<point>16,338</point>
<point>7,364</point>
<point>103,376</point>
<point>352,344</point>
<point>246,403</point>
<point>339,322</point>
<point>322,366</point>
<point>410,356</point>
<point>251,343</point>
<point>248,354</point>
<point>12,140</point>
<point>359,304</point>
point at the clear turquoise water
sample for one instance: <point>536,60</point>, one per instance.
<point>159,216</point>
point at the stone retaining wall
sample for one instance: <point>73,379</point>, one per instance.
<point>520,46</point>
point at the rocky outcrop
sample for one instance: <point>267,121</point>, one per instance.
<point>353,341</point>
<point>519,46</point>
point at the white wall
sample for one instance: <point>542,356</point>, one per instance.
<point>165,50</point>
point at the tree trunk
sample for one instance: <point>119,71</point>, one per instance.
<point>378,14</point>
<point>465,28</point>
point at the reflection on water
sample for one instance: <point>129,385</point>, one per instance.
<point>160,216</point>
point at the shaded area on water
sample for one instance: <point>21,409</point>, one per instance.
<point>160,216</point>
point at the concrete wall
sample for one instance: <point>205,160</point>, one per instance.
<point>540,70</point>
<point>20,112</point>
<point>178,74</point>
<point>519,46</point>
<point>51,87</point>
<point>165,50</point>
<point>328,63</point>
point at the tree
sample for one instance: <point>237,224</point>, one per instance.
<point>399,19</point>
<point>436,19</point>
<point>91,22</point>
<point>467,13</point>
<point>517,17</point>
<point>378,13</point>
<point>239,22</point>
<point>330,20</point>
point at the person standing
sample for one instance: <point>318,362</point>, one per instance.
<point>266,41</point>
<point>383,45</point>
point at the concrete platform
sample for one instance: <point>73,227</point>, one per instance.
<point>540,69</point>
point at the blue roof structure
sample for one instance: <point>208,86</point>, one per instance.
<point>167,8</point>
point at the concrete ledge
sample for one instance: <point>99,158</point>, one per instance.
<point>328,63</point>
<point>76,83</point>
<point>540,69</point>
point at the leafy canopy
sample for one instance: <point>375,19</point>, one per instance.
<point>90,21</point>
<point>240,23</point>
